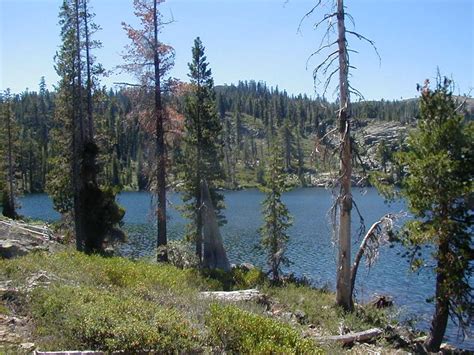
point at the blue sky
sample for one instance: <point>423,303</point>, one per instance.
<point>258,39</point>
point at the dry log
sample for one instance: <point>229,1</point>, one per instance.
<point>234,296</point>
<point>84,352</point>
<point>350,338</point>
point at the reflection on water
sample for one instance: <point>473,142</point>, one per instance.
<point>310,249</point>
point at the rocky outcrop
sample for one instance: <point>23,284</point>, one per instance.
<point>19,238</point>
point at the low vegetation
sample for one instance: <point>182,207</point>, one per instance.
<point>78,302</point>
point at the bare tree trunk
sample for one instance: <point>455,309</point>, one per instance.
<point>214,256</point>
<point>355,265</point>
<point>343,294</point>
<point>160,144</point>
<point>440,318</point>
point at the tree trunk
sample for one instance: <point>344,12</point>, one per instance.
<point>78,138</point>
<point>160,144</point>
<point>361,251</point>
<point>343,294</point>
<point>440,318</point>
<point>199,191</point>
<point>214,255</point>
<point>90,122</point>
<point>11,195</point>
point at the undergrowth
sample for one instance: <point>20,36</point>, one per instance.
<point>89,302</point>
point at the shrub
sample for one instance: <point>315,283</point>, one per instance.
<point>235,330</point>
<point>245,279</point>
<point>87,318</point>
<point>320,310</point>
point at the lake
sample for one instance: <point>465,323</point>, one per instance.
<point>310,249</point>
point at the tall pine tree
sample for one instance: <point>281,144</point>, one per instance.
<point>202,153</point>
<point>94,209</point>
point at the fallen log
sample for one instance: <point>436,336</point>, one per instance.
<point>84,352</point>
<point>234,296</point>
<point>350,338</point>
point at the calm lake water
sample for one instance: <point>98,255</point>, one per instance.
<point>309,248</point>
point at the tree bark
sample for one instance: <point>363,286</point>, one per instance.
<point>11,196</point>
<point>160,144</point>
<point>90,122</point>
<point>78,137</point>
<point>440,317</point>
<point>366,335</point>
<point>343,294</point>
<point>214,256</point>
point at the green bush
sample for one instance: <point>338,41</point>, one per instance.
<point>234,330</point>
<point>77,268</point>
<point>69,317</point>
<point>244,279</point>
<point>320,310</point>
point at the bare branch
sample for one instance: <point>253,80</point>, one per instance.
<point>316,70</point>
<point>326,17</point>
<point>319,51</point>
<point>307,15</point>
<point>377,235</point>
<point>363,38</point>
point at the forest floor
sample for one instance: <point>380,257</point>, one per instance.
<point>69,301</point>
<point>56,299</point>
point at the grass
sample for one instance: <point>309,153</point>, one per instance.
<point>320,310</point>
<point>91,302</point>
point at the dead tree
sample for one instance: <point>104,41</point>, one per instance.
<point>339,53</point>
<point>150,60</point>
<point>160,141</point>
<point>377,235</point>
<point>214,256</point>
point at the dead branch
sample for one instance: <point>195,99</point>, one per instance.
<point>308,14</point>
<point>372,43</point>
<point>376,236</point>
<point>350,338</point>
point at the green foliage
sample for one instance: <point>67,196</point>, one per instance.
<point>438,187</point>
<point>320,310</point>
<point>7,209</point>
<point>180,254</point>
<point>100,211</point>
<point>245,279</point>
<point>96,271</point>
<point>238,278</point>
<point>201,157</point>
<point>9,155</point>
<point>275,214</point>
<point>92,319</point>
<point>237,331</point>
<point>59,186</point>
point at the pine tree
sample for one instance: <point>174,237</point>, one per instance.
<point>9,138</point>
<point>288,141</point>
<point>439,187</point>
<point>202,153</point>
<point>276,216</point>
<point>94,209</point>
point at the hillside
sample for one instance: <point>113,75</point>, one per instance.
<point>252,115</point>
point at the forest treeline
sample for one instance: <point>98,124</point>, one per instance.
<point>251,114</point>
